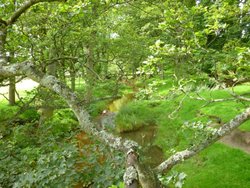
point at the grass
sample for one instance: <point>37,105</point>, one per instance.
<point>136,115</point>
<point>7,111</point>
<point>217,166</point>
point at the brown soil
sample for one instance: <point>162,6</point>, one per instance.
<point>238,139</point>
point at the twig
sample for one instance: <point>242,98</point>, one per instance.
<point>171,116</point>
<point>4,96</point>
<point>19,80</point>
<point>208,101</point>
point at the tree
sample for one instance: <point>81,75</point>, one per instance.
<point>136,172</point>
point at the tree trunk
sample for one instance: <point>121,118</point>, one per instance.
<point>90,76</point>
<point>73,80</point>
<point>90,60</point>
<point>47,109</point>
<point>12,82</point>
<point>138,173</point>
<point>3,34</point>
<point>12,91</point>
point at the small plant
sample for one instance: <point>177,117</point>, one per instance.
<point>176,179</point>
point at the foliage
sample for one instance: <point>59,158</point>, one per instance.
<point>104,167</point>
<point>7,111</point>
<point>167,52</point>
<point>48,156</point>
<point>201,39</point>
<point>38,156</point>
<point>176,179</point>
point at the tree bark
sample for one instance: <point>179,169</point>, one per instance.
<point>73,80</point>
<point>138,174</point>
<point>12,91</point>
<point>3,35</point>
<point>52,83</point>
<point>90,76</point>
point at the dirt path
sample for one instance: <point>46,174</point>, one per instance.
<point>238,139</point>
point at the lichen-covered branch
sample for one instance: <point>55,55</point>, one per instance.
<point>26,5</point>
<point>138,174</point>
<point>52,83</point>
<point>130,176</point>
<point>219,133</point>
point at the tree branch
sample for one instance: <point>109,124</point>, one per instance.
<point>24,8</point>
<point>219,133</point>
<point>52,83</point>
<point>240,97</point>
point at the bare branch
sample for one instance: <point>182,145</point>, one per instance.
<point>24,8</point>
<point>177,109</point>
<point>219,133</point>
<point>200,98</point>
<point>243,98</point>
<point>7,84</point>
<point>2,94</point>
<point>240,97</point>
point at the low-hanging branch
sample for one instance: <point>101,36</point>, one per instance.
<point>52,83</point>
<point>219,133</point>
